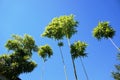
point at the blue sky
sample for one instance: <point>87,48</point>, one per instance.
<point>31,17</point>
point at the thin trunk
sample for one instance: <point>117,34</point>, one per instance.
<point>84,68</point>
<point>114,44</point>
<point>43,66</point>
<point>63,63</point>
<point>75,73</point>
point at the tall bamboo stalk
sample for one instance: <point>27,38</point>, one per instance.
<point>84,69</point>
<point>65,71</point>
<point>75,73</point>
<point>114,44</point>
<point>42,74</point>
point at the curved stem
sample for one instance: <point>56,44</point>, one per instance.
<point>63,63</point>
<point>114,44</point>
<point>84,68</point>
<point>75,73</point>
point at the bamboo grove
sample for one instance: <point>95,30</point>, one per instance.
<point>21,48</point>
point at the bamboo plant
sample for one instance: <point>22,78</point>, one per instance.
<point>69,26</point>
<point>60,27</point>
<point>54,30</point>
<point>44,52</point>
<point>78,50</point>
<point>104,30</point>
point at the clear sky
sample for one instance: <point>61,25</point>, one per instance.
<point>32,16</point>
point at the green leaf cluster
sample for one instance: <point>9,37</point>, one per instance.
<point>103,30</point>
<point>116,74</point>
<point>60,27</point>
<point>45,52</point>
<point>60,44</point>
<point>78,49</point>
<point>12,65</point>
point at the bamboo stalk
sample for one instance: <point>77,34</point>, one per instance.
<point>84,69</point>
<point>75,73</point>
<point>114,44</point>
<point>42,74</point>
<point>65,71</point>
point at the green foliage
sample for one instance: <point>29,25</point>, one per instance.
<point>45,52</point>
<point>116,74</point>
<point>18,43</point>
<point>13,45</point>
<point>19,61</point>
<point>28,42</point>
<point>78,49</point>
<point>69,25</point>
<point>60,27</point>
<point>60,44</point>
<point>103,30</point>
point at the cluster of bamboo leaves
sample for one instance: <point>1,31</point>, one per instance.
<point>103,30</point>
<point>45,52</point>
<point>78,49</point>
<point>19,61</point>
<point>60,27</point>
<point>116,74</point>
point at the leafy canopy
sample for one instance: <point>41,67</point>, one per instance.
<point>12,65</point>
<point>45,52</point>
<point>103,30</point>
<point>78,49</point>
<point>60,27</point>
<point>19,61</point>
